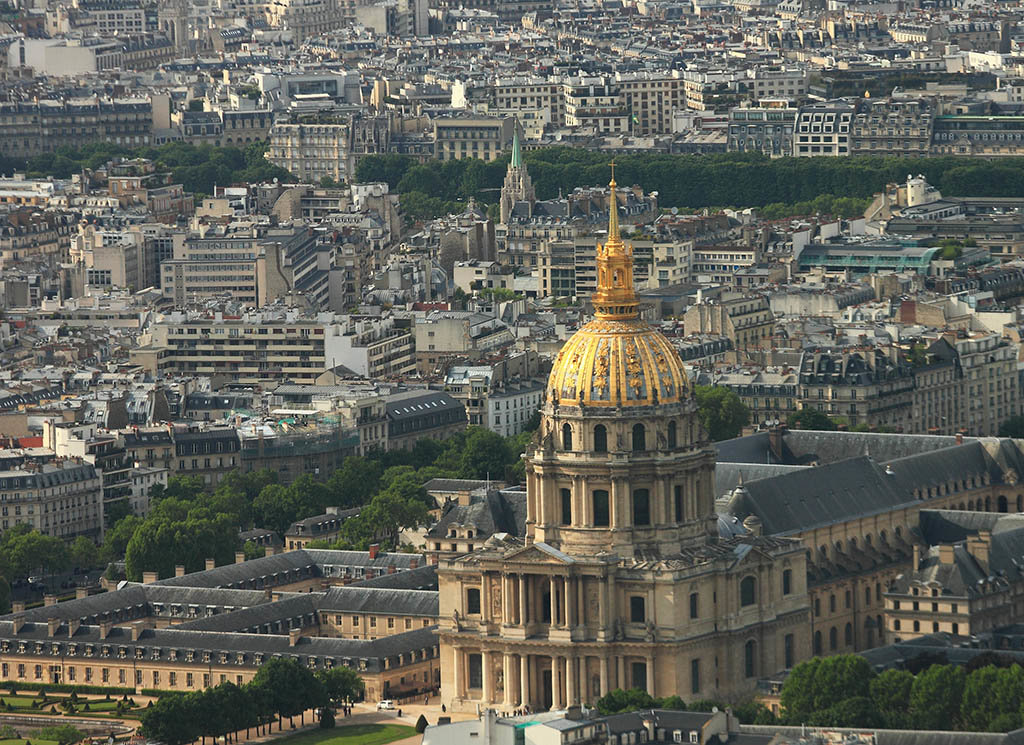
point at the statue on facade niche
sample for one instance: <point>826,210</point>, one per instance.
<point>652,632</point>
<point>662,441</point>
<point>618,632</point>
<point>455,620</point>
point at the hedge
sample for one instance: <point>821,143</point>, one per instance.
<point>66,688</point>
<point>158,692</point>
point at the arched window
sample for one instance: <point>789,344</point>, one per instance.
<point>817,642</point>
<point>748,591</point>
<point>566,506</point>
<point>749,655</point>
<point>787,581</point>
<point>848,635</point>
<point>833,638</point>
<point>600,508</point>
<point>672,437</point>
<point>600,439</point>
<point>566,437</point>
<point>1002,505</point>
<point>639,437</point>
<point>641,507</point>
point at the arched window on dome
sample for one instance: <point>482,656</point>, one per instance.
<point>639,437</point>
<point>672,434</point>
<point>566,437</point>
<point>600,439</point>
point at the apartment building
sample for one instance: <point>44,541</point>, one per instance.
<point>207,453</point>
<point>32,128</point>
<point>989,390</point>
<point>823,129</point>
<point>313,151</point>
<point>58,497</point>
<point>112,17</point>
<point>747,321</point>
<point>485,138</point>
<point>652,99</point>
<point>86,443</point>
<point>25,233</point>
<point>892,127</point>
<point>492,402</point>
<point>864,387</point>
<point>372,347</point>
<point>255,348</point>
<point>244,261</point>
<point>599,103</point>
<point>776,82</point>
<point>445,335</point>
<point>762,130</point>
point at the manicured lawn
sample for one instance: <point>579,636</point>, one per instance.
<point>353,734</point>
<point>33,740</point>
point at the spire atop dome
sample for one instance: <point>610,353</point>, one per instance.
<point>614,297</point>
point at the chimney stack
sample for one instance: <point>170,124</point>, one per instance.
<point>17,622</point>
<point>179,570</point>
<point>374,550</point>
<point>917,557</point>
<point>73,624</point>
<point>137,628</point>
<point>414,562</point>
<point>149,578</point>
<point>391,568</point>
<point>49,600</point>
<point>239,557</point>
<point>210,564</point>
<point>51,627</point>
<point>17,606</point>
<point>105,627</point>
<point>81,592</point>
<point>959,438</point>
<point>293,636</point>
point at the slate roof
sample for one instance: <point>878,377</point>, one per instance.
<point>295,606</point>
<point>421,578</point>
<point>352,599</point>
<point>162,641</point>
<point>290,566</point>
<point>809,446</point>
<point>813,497</point>
<point>499,512</point>
<point>727,475</point>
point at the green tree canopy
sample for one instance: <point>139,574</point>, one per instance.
<point>935,698</point>
<point>1012,427</point>
<point>823,682</point>
<point>721,412</point>
<point>808,418</point>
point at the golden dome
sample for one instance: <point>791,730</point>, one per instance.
<point>616,359</point>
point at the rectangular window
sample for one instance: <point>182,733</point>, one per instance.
<point>566,506</point>
<point>788,651</point>
<point>601,517</point>
<point>694,676</point>
<point>637,609</point>
<point>694,605</point>
<point>476,671</point>
<point>641,507</point>
<point>640,675</point>
<point>473,601</point>
<point>787,581</point>
<point>679,503</point>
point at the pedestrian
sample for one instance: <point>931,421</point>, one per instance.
<point>443,709</point>
<point>399,713</point>
<point>426,699</point>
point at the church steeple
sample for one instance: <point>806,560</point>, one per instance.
<point>518,186</point>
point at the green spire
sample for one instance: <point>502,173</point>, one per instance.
<point>517,155</point>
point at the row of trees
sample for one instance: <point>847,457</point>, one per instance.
<point>635,699</point>
<point>187,525</point>
<point>197,167</point>
<point>844,691</point>
<point>698,181</point>
<point>282,688</point>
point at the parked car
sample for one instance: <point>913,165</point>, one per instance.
<point>386,705</point>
